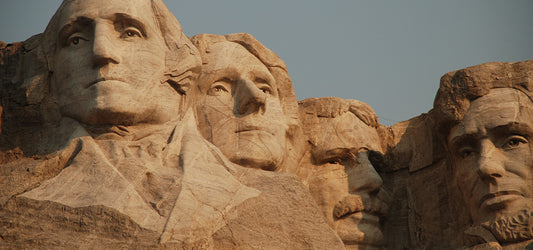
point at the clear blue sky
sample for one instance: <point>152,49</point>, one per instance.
<point>390,54</point>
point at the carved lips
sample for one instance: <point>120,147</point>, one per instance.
<point>247,127</point>
<point>362,209</point>
<point>499,199</point>
<point>103,79</point>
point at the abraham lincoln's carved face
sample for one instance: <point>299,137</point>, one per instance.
<point>492,155</point>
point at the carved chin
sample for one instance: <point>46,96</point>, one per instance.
<point>104,115</point>
<point>512,228</point>
<point>266,156</point>
<point>253,149</point>
<point>360,229</point>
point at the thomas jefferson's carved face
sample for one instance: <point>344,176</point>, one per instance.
<point>109,64</point>
<point>492,155</point>
<point>239,109</point>
<point>343,180</point>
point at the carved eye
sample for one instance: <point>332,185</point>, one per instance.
<point>514,141</point>
<point>131,32</point>
<point>465,152</point>
<point>75,40</point>
<point>263,85</point>
<point>337,161</point>
<point>217,89</point>
<point>266,90</point>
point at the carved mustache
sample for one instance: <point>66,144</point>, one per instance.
<point>374,204</point>
<point>500,193</point>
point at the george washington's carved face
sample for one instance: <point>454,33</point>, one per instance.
<point>492,155</point>
<point>109,64</point>
<point>239,107</point>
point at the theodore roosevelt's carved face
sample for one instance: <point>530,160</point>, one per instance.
<point>492,154</point>
<point>239,109</point>
<point>109,64</point>
<point>344,182</point>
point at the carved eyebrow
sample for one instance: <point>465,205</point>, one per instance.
<point>129,20</point>
<point>228,72</point>
<point>463,139</point>
<point>268,77</point>
<point>73,26</point>
<point>334,153</point>
<point>512,127</point>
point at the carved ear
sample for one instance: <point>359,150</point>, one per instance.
<point>181,70</point>
<point>181,83</point>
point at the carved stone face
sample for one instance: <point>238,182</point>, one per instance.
<point>109,64</point>
<point>492,154</point>
<point>239,109</point>
<point>343,180</point>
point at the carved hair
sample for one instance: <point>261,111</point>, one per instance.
<point>330,107</point>
<point>311,109</point>
<point>459,88</point>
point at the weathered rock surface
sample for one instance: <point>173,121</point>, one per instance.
<point>118,131</point>
<point>423,165</point>
<point>86,167</point>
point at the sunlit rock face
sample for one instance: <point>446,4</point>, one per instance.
<point>101,146</point>
<point>485,116</point>
<point>344,149</point>
<point>118,131</point>
<point>246,104</point>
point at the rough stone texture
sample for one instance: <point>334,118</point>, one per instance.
<point>422,164</point>
<point>103,166</point>
<point>118,131</point>
<point>340,168</point>
<point>425,216</point>
<point>246,105</point>
<point>484,116</point>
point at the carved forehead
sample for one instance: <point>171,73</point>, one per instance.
<point>140,10</point>
<point>341,134</point>
<point>229,54</point>
<point>500,107</point>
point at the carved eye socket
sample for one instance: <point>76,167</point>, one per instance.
<point>266,90</point>
<point>514,141</point>
<point>75,40</point>
<point>465,152</point>
<point>263,85</point>
<point>337,161</point>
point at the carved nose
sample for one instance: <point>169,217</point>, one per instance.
<point>104,49</point>
<point>364,177</point>
<point>489,164</point>
<point>250,99</point>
